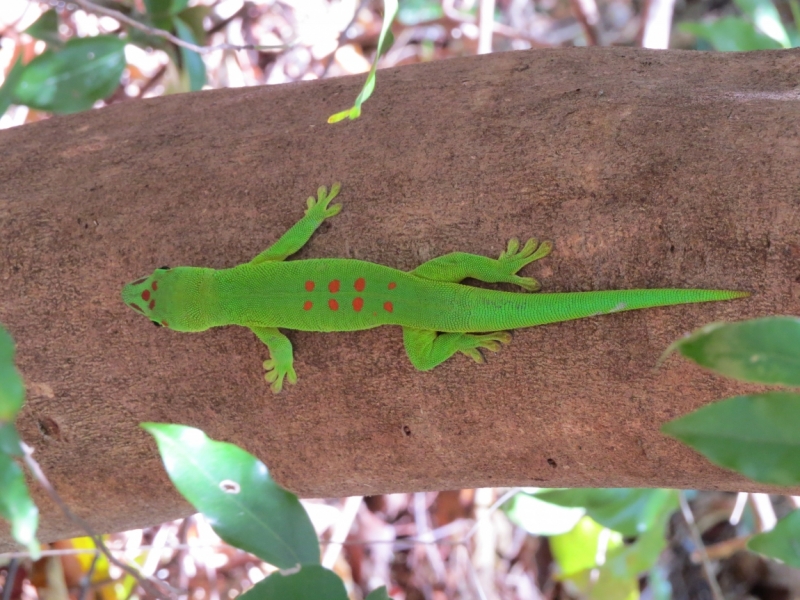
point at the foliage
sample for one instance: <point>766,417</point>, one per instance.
<point>760,28</point>
<point>611,515</point>
<point>71,76</point>
<point>16,505</point>
<point>247,509</point>
<point>754,434</point>
<point>385,42</point>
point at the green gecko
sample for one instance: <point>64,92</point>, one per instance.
<point>439,315</point>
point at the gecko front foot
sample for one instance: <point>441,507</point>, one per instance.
<point>276,372</point>
<point>320,208</point>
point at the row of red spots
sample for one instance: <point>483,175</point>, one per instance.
<point>335,285</point>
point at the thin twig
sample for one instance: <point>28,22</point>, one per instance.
<point>497,504</point>
<point>147,585</point>
<point>11,576</point>
<point>588,16</point>
<point>688,516</point>
<point>86,580</point>
<point>89,6</point>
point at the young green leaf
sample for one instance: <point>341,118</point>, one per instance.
<point>541,518</point>
<point>755,435</point>
<point>576,550</point>
<point>630,511</point>
<point>783,542</point>
<point>760,350</point>
<point>304,583</point>
<point>385,41</point>
<point>234,490</point>
<point>12,390</point>
<point>72,78</point>
<point>16,505</point>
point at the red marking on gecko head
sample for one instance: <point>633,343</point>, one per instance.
<point>146,295</point>
<point>358,304</point>
<point>307,305</point>
<point>388,307</point>
<point>392,285</point>
<point>152,304</point>
<point>309,286</point>
<point>359,285</point>
<point>155,286</point>
<point>136,307</point>
<point>333,286</point>
<point>164,324</point>
<point>139,281</point>
<point>333,304</point>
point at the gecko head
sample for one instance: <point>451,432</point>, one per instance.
<point>170,298</point>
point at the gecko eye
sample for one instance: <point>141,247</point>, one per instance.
<point>156,323</point>
<point>164,268</point>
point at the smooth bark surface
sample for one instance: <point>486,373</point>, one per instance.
<point>645,168</point>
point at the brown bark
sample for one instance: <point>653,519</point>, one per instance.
<point>646,169</point>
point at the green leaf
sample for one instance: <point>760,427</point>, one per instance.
<point>783,542</point>
<point>380,593</point>
<point>755,435</point>
<point>627,510</point>
<point>159,12</point>
<point>766,18</point>
<point>759,351</point>
<point>74,77</point>
<point>194,17</point>
<point>192,62</point>
<point>45,28</point>
<point>414,12</point>
<point>730,34</point>
<point>541,518</point>
<point>385,41</point>
<point>9,440</point>
<point>634,559</point>
<point>12,390</point>
<point>306,583</point>
<point>10,85</point>
<point>16,505</point>
<point>233,489</point>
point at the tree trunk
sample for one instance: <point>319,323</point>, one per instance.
<point>645,168</point>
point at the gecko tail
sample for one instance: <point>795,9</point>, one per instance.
<point>529,310</point>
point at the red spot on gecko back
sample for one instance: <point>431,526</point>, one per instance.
<point>388,306</point>
<point>333,304</point>
<point>152,304</point>
<point>392,285</point>
<point>155,286</point>
<point>309,286</point>
<point>307,305</point>
<point>146,295</point>
<point>358,304</point>
<point>136,307</point>
<point>359,285</point>
<point>333,286</point>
